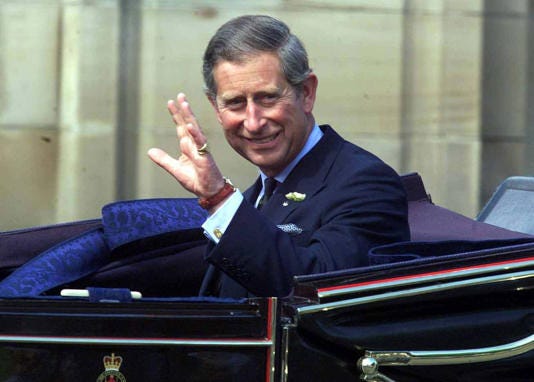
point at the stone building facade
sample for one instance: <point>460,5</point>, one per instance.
<point>441,87</point>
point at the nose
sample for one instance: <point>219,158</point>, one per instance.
<point>254,117</point>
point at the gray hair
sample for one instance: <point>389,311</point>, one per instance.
<point>246,36</point>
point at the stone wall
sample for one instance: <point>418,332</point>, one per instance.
<point>84,85</point>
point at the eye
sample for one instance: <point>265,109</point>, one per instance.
<point>268,99</point>
<point>234,103</point>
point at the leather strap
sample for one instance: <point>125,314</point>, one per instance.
<point>209,203</point>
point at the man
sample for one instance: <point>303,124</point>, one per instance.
<point>333,201</point>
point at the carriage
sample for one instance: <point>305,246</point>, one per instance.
<point>456,303</point>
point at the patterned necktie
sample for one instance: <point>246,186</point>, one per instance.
<point>269,186</point>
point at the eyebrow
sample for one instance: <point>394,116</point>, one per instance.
<point>228,97</point>
<point>231,96</point>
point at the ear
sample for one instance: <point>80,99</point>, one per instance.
<point>309,90</point>
<point>213,103</point>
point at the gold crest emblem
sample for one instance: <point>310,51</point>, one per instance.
<point>112,364</point>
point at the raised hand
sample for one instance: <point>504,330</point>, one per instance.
<point>195,167</point>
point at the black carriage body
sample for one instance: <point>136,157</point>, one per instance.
<point>452,305</point>
<point>469,320</point>
<point>72,339</point>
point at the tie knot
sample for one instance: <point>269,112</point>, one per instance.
<point>269,185</point>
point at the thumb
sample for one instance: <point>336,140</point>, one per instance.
<point>161,158</point>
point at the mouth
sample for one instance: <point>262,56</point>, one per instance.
<point>263,140</point>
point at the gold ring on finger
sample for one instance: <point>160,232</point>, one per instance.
<point>203,150</point>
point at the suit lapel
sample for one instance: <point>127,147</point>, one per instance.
<point>252,193</point>
<point>308,177</point>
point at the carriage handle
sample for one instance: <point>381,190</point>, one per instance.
<point>370,362</point>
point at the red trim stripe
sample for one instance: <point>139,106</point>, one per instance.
<point>268,338</point>
<point>436,273</point>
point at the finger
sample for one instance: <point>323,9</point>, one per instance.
<point>181,131</point>
<point>172,107</point>
<point>175,112</point>
<point>187,114</point>
<point>186,111</point>
<point>161,158</point>
<point>181,111</point>
<point>181,97</point>
<point>196,135</point>
<point>173,166</point>
<point>188,146</point>
<point>188,130</point>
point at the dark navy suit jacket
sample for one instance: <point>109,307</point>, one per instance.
<point>354,202</point>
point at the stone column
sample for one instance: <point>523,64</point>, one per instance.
<point>508,83</point>
<point>88,108</point>
<point>440,98</point>
<point>28,112</point>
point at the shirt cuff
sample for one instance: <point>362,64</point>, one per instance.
<point>216,224</point>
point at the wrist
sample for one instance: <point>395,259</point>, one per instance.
<point>222,194</point>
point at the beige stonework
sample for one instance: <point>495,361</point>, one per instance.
<point>28,164</point>
<point>28,63</point>
<point>88,104</point>
<point>432,86</point>
<point>506,84</point>
<point>28,113</point>
<point>441,97</point>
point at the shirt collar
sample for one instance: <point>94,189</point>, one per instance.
<point>315,136</point>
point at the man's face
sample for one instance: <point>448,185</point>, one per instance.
<point>263,117</point>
